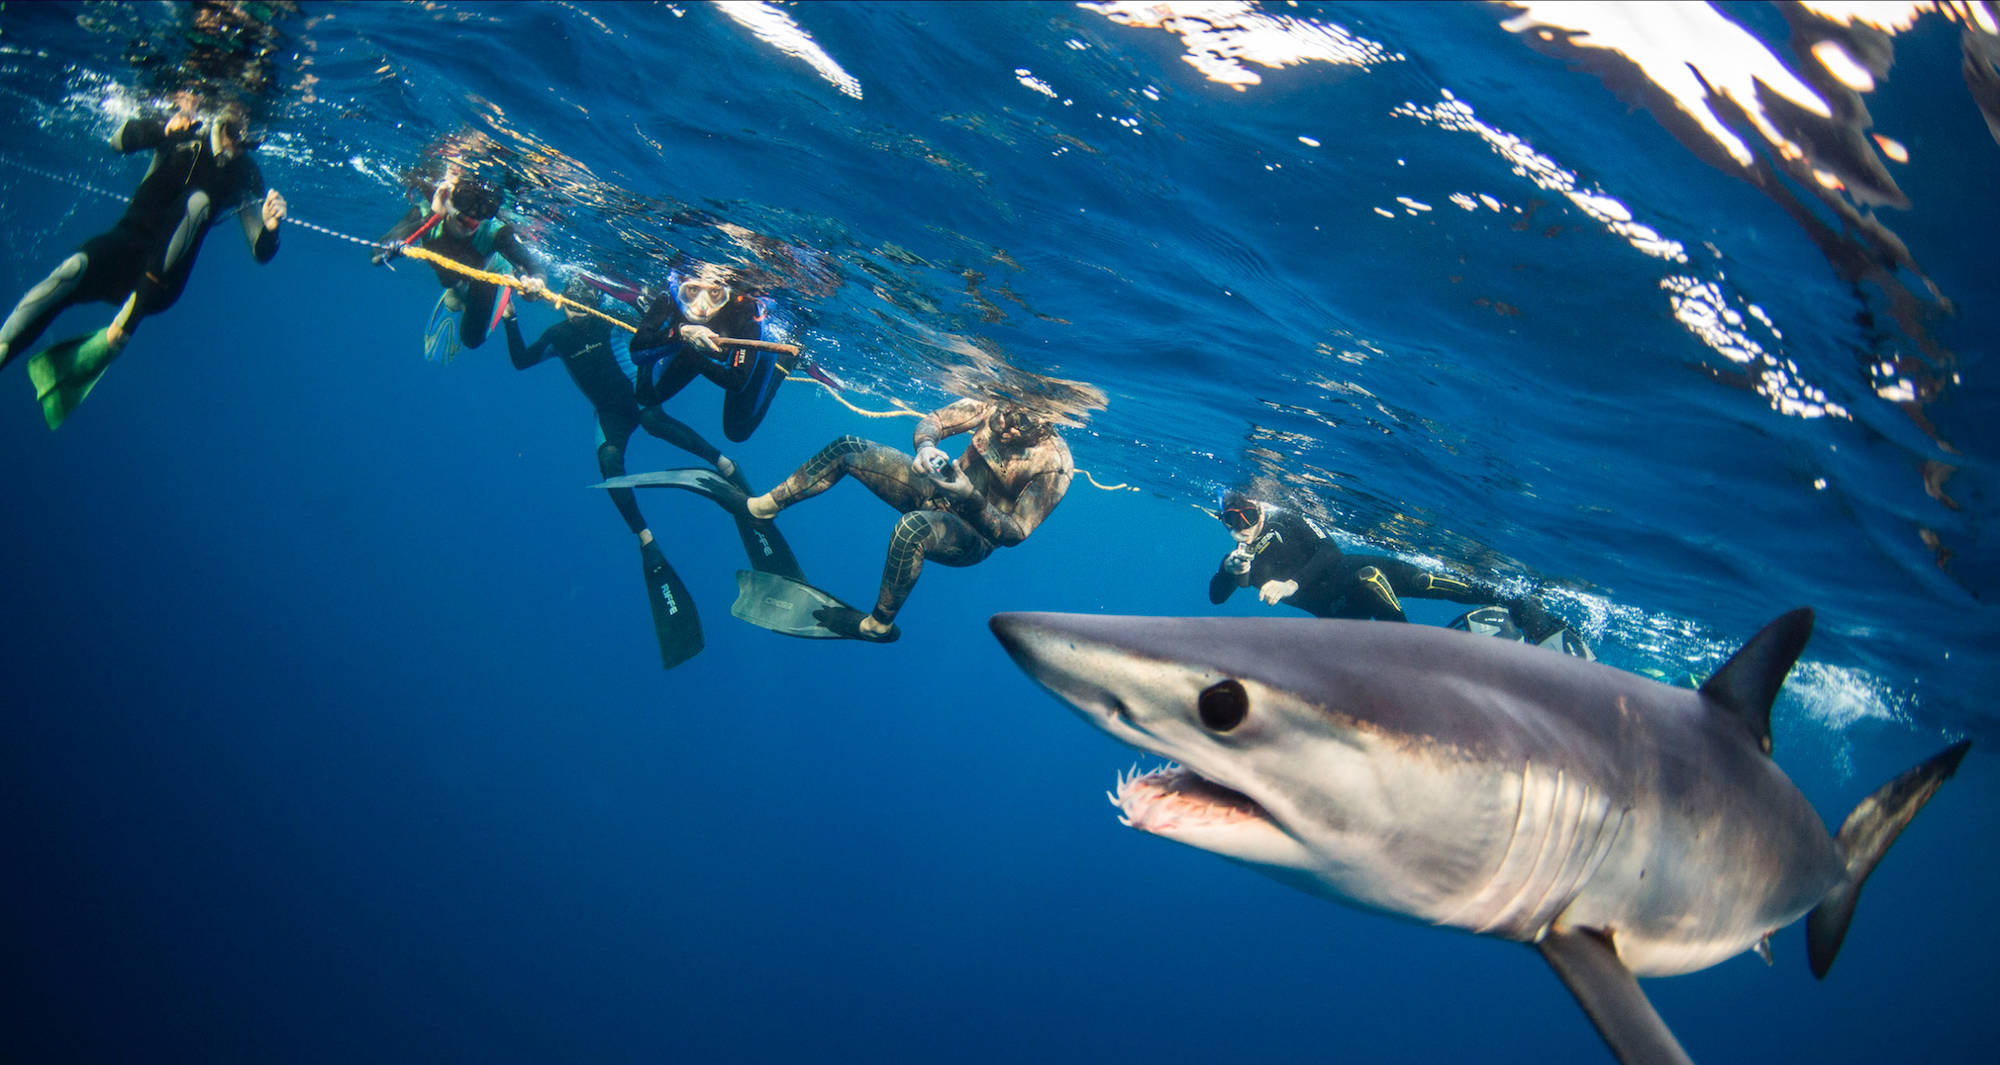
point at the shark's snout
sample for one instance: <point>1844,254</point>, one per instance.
<point>1055,656</point>
<point>1012,631</point>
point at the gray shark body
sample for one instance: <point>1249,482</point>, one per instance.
<point>1623,826</point>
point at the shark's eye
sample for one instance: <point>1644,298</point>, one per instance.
<point>1223,705</point>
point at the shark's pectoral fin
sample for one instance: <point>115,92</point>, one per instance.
<point>1609,994</point>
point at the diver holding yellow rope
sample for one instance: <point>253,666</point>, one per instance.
<point>459,226</point>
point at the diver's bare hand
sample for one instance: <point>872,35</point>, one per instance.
<point>954,484</point>
<point>274,209</point>
<point>1272,591</point>
<point>930,461</point>
<point>532,288</point>
<point>701,336</point>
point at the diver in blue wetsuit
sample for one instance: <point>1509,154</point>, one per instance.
<point>594,359</point>
<point>590,356</point>
<point>685,332</point>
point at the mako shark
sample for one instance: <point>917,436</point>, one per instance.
<point>1623,827</point>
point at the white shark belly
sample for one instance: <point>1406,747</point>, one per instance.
<point>1691,886</point>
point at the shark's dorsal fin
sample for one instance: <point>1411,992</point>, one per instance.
<point>1748,683</point>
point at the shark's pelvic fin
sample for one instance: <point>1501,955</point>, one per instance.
<point>1864,837</point>
<point>1608,993</point>
<point>1748,683</point>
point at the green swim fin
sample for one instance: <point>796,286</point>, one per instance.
<point>794,608</point>
<point>674,618</point>
<point>65,372</point>
<point>762,542</point>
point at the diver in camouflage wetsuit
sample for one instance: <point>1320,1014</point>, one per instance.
<point>1011,475</point>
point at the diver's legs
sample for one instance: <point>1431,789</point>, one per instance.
<point>678,433</point>
<point>185,243</point>
<point>885,470</point>
<point>40,306</point>
<point>612,436</point>
<point>676,374</point>
<point>946,538</point>
<point>477,315</point>
<point>1375,597</point>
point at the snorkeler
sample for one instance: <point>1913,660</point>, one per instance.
<point>1288,560</point>
<point>686,331</point>
<point>201,169</point>
<point>461,221</point>
<point>1011,475</point>
<point>584,343</point>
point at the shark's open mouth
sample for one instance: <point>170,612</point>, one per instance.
<point>1172,798</point>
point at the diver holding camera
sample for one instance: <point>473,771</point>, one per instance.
<point>1012,473</point>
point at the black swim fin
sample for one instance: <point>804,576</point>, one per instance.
<point>768,551</point>
<point>674,619</point>
<point>762,542</point>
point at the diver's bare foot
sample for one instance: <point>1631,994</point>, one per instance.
<point>764,508</point>
<point>871,627</point>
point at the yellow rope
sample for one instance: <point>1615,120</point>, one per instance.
<point>423,254</point>
<point>1119,487</point>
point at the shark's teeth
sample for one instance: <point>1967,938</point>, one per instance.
<point>1169,797</point>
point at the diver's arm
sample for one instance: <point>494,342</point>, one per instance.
<point>509,245</point>
<point>1224,583</point>
<point>400,232</point>
<point>259,207</point>
<point>951,420</point>
<point>139,134</point>
<point>523,354</point>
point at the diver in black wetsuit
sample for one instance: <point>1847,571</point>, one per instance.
<point>1009,478</point>
<point>683,332</point>
<point>584,344</point>
<point>1287,559</point>
<point>461,222</point>
<point>199,172</point>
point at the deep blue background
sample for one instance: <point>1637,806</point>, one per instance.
<point>336,727</point>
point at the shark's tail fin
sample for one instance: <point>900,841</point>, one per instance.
<point>1864,837</point>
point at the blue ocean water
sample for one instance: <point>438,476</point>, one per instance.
<point>337,727</point>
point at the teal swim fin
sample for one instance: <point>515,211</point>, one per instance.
<point>66,371</point>
<point>674,618</point>
<point>795,608</point>
<point>441,335</point>
<point>762,542</point>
